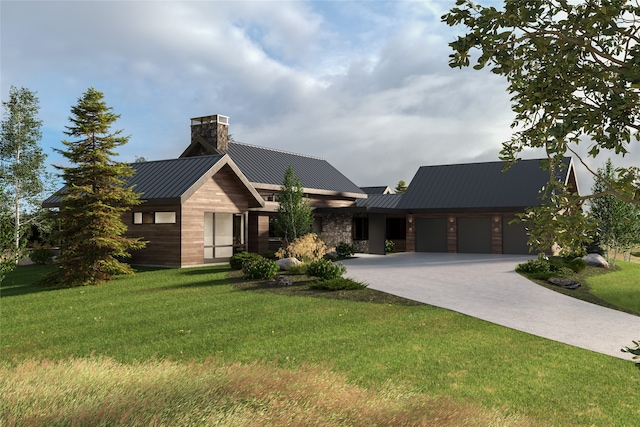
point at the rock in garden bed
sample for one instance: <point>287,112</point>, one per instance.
<point>564,283</point>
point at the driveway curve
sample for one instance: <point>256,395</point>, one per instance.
<point>487,287</point>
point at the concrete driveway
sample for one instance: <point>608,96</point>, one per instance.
<point>487,287</point>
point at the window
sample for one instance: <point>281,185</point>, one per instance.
<point>165,217</point>
<point>154,217</point>
<point>360,228</point>
<point>396,229</point>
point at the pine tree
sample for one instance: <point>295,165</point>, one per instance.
<point>22,168</point>
<point>94,198</point>
<point>294,218</point>
<point>401,187</point>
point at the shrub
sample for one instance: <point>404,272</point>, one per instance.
<point>338,284</point>
<point>534,266</point>
<point>237,261</point>
<point>326,269</point>
<point>307,248</point>
<point>389,246</point>
<point>577,264</point>
<point>297,269</point>
<point>345,250</point>
<point>269,255</point>
<point>260,268</point>
<point>41,256</point>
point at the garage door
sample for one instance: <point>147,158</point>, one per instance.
<point>514,237</point>
<point>474,235</point>
<point>431,235</point>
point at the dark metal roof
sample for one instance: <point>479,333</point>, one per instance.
<point>267,166</point>
<point>382,189</point>
<point>478,186</point>
<point>380,201</point>
<point>165,180</point>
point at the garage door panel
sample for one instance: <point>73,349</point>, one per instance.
<point>514,237</point>
<point>474,235</point>
<point>431,235</point>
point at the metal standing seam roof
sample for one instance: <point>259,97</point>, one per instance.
<point>163,179</point>
<point>381,189</point>
<point>267,166</point>
<point>478,186</point>
<point>380,201</point>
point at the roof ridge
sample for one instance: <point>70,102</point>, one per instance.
<point>177,158</point>
<point>490,162</point>
<point>277,151</point>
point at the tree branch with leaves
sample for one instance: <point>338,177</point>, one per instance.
<point>573,75</point>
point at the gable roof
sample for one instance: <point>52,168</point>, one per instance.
<point>174,181</point>
<point>382,189</point>
<point>265,168</point>
<point>480,186</point>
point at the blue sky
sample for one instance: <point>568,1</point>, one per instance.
<point>363,84</point>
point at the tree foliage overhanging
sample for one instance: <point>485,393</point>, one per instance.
<point>573,70</point>
<point>94,198</point>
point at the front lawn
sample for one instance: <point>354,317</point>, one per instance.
<point>620,288</point>
<point>417,353</point>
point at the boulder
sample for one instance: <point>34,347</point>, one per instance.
<point>285,263</point>
<point>595,260</point>
<point>280,281</point>
<point>564,283</point>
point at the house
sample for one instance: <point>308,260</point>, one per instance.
<point>220,196</point>
<point>469,207</point>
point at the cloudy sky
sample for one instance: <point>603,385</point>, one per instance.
<point>363,84</point>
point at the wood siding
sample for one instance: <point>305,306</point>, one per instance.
<point>222,193</point>
<point>163,240</point>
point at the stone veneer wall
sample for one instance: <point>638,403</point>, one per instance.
<point>336,228</point>
<point>362,246</point>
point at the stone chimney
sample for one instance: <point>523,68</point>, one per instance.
<point>214,130</point>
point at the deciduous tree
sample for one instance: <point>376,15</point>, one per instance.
<point>294,218</point>
<point>94,198</point>
<point>618,221</point>
<point>573,72</point>
<point>22,167</point>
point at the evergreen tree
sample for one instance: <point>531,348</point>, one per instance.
<point>294,218</point>
<point>94,198</point>
<point>401,187</point>
<point>22,168</point>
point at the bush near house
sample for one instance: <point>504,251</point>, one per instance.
<point>325,269</point>
<point>260,268</point>
<point>237,261</point>
<point>337,284</point>
<point>544,268</point>
<point>345,250</point>
<point>307,248</point>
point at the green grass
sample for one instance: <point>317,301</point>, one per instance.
<point>620,288</point>
<point>378,342</point>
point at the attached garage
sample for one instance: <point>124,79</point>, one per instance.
<point>467,207</point>
<point>514,237</point>
<point>431,235</point>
